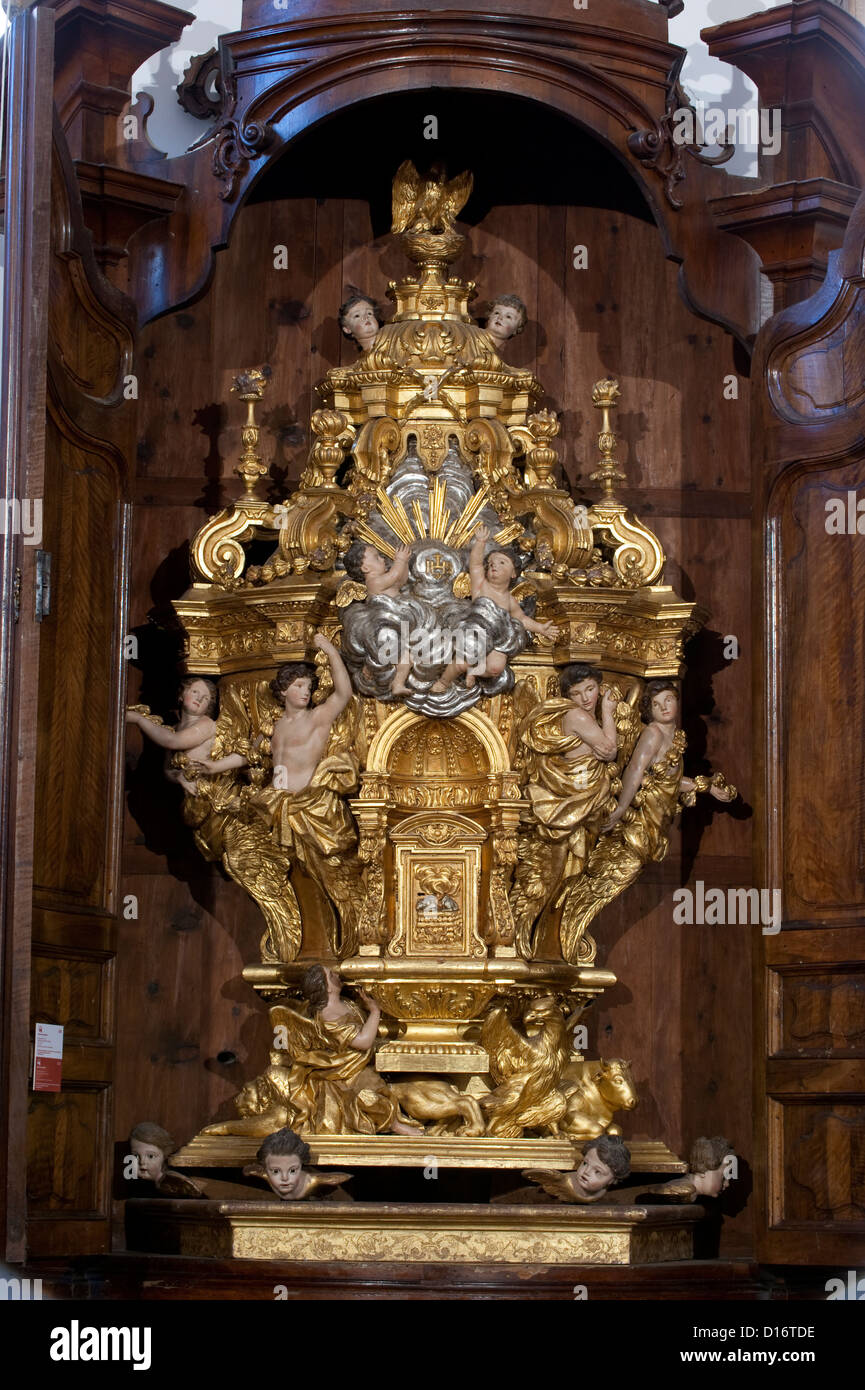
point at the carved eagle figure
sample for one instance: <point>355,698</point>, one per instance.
<point>527,1065</point>
<point>428,204</point>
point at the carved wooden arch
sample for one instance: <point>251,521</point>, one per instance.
<point>284,80</point>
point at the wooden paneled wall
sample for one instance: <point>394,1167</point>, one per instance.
<point>79,785</point>
<point>810,785</point>
<point>681,1011</point>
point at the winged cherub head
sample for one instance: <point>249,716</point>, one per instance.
<point>707,1165</point>
<point>151,1145</point>
<point>282,1156</point>
<point>606,1161</point>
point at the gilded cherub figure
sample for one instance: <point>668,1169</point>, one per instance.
<point>320,1079</point>
<point>656,759</point>
<point>213,808</point>
<point>495,613</point>
<point>366,565</point>
<point>281,1159</point>
<point>654,788</point>
<point>359,319</point>
<point>506,319</point>
<point>190,742</point>
<point>567,752</point>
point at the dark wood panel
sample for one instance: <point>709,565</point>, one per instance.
<point>823,640</point>
<point>73,989</point>
<point>66,1130</point>
<point>90,434</point>
<point>28,44</point>
<point>85,533</point>
<point>809,776</point>
<point>190,1031</point>
<point>817,1012</point>
<point>820,1160</point>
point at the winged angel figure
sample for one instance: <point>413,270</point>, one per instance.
<point>652,790</point>
<point>428,204</point>
<point>572,762</point>
<point>320,1078</point>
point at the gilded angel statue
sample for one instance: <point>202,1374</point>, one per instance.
<point>313,768</point>
<point>320,1078</point>
<point>653,790</point>
<point>428,204</point>
<point>205,755</point>
<point>567,748</point>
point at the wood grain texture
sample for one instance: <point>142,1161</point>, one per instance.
<point>156,1277</point>
<point>808,61</point>
<point>78,706</point>
<point>810,779</point>
<point>28,46</point>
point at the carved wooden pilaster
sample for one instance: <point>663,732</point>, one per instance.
<point>99,46</point>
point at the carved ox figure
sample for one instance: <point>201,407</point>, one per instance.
<point>594,1097</point>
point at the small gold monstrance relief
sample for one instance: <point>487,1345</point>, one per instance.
<point>437,887</point>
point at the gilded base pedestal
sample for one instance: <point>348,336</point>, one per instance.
<point>414,1233</point>
<point>400,1151</point>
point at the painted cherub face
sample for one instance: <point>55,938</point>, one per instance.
<point>151,1161</point>
<point>592,1176</point>
<point>196,698</point>
<point>665,707</point>
<point>284,1172</point>
<point>361,322</point>
<point>373,563</point>
<point>298,694</point>
<point>504,320</point>
<point>713,1183</point>
<point>584,694</point>
<point>500,568</point>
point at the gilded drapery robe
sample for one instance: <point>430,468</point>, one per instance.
<point>314,828</point>
<point>317,817</point>
<point>330,1086</point>
<point>570,797</point>
<point>656,803</point>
